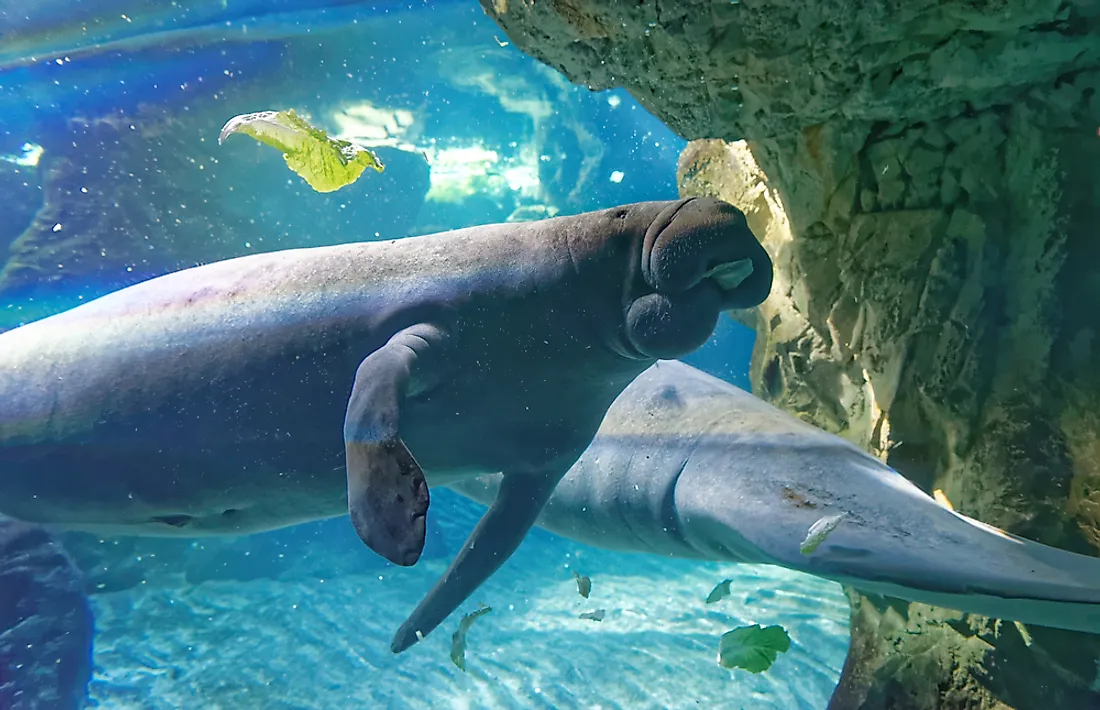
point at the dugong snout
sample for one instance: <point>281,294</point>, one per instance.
<point>698,258</point>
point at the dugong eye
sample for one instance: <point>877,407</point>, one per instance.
<point>666,326</point>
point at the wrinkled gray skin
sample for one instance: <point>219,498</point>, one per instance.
<point>686,465</point>
<point>213,400</point>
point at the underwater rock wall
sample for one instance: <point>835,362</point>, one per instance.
<point>753,69</point>
<point>939,320</point>
<point>926,178</point>
<point>46,624</point>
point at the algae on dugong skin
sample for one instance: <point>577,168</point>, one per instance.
<point>327,164</point>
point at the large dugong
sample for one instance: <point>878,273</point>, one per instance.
<point>213,399</point>
<point>686,465</point>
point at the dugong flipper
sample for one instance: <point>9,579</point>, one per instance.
<point>687,465</point>
<point>213,399</point>
<point>387,490</point>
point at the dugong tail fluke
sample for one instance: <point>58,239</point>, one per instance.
<point>687,465</point>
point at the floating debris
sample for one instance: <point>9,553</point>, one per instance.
<point>327,164</point>
<point>584,585</point>
<point>819,531</point>
<point>458,638</point>
<point>941,498</point>
<point>594,615</point>
<point>752,648</point>
<point>720,592</point>
<point>1024,633</point>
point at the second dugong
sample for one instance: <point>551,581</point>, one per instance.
<point>687,465</point>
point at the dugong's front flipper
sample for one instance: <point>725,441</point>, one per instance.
<point>517,505</point>
<point>387,491</point>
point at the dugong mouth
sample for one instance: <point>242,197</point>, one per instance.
<point>730,275</point>
<point>698,258</point>
<point>698,238</point>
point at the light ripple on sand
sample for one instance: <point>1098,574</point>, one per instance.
<point>314,643</point>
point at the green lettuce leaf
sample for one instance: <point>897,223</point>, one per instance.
<point>458,638</point>
<point>720,592</point>
<point>327,164</point>
<point>753,648</point>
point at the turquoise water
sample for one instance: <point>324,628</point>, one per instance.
<point>309,640</point>
<point>324,643</point>
<point>301,618</point>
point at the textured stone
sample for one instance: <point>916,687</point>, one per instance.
<point>933,338</point>
<point>753,69</point>
<point>931,173</point>
<point>46,624</point>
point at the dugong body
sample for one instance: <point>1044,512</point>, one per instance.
<point>216,399</point>
<point>687,465</point>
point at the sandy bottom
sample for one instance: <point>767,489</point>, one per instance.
<point>324,643</point>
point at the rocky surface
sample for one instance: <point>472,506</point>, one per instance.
<point>46,624</point>
<point>950,365</point>
<point>755,69</point>
<point>926,178</point>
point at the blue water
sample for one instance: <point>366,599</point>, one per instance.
<point>301,618</point>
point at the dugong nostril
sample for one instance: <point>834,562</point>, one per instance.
<point>730,275</point>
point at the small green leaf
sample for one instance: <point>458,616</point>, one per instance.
<point>458,638</point>
<point>753,648</point>
<point>327,164</point>
<point>584,585</point>
<point>720,592</point>
<point>819,531</point>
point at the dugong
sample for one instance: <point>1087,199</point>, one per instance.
<point>686,465</point>
<point>213,399</point>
